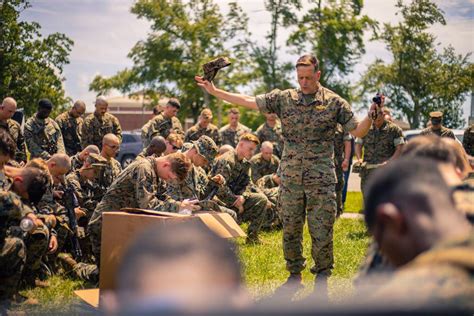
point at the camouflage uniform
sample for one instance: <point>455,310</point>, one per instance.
<point>196,131</point>
<point>135,187</point>
<point>12,247</point>
<point>49,206</point>
<point>379,146</point>
<point>95,128</point>
<point>468,140</point>
<point>266,133</point>
<point>261,167</point>
<point>160,126</point>
<point>71,131</point>
<point>272,191</point>
<point>14,129</point>
<point>441,276</point>
<point>339,140</point>
<point>43,137</point>
<point>144,134</point>
<point>83,191</point>
<point>237,176</point>
<point>106,178</point>
<point>442,132</point>
<point>197,184</point>
<point>231,137</point>
<point>76,162</point>
<point>307,170</point>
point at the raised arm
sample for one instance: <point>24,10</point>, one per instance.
<point>234,98</point>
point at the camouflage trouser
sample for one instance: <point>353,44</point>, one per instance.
<point>12,261</point>
<point>339,188</point>
<point>87,272</point>
<point>319,206</point>
<point>272,217</point>
<point>364,176</point>
<point>254,212</point>
<point>94,230</point>
<point>36,247</point>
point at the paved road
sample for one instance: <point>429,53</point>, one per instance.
<point>354,183</point>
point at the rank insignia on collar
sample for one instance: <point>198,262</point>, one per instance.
<point>320,107</point>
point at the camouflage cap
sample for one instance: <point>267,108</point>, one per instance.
<point>206,147</point>
<point>436,114</point>
<point>96,161</point>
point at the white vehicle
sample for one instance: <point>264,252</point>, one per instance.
<point>458,133</point>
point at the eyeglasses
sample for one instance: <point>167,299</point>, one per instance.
<point>113,146</point>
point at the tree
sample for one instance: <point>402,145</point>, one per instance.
<point>184,35</point>
<point>420,79</point>
<point>31,65</point>
<point>271,73</point>
<point>334,31</point>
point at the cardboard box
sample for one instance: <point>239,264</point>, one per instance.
<point>120,228</point>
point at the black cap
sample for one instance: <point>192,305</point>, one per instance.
<point>45,103</point>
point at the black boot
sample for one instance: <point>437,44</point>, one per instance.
<point>293,284</point>
<point>321,287</point>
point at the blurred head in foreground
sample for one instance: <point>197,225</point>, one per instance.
<point>182,266</point>
<point>410,212</point>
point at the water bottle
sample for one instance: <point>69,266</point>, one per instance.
<point>26,224</point>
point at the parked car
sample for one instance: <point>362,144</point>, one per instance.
<point>458,133</point>
<point>129,149</point>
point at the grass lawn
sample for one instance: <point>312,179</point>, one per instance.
<point>264,266</point>
<point>354,202</point>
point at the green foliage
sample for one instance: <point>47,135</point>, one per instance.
<point>420,79</point>
<point>184,35</point>
<point>334,31</point>
<point>271,73</point>
<point>31,65</point>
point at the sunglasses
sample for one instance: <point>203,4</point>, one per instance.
<point>113,146</point>
<point>175,147</point>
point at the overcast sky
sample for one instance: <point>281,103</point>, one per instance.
<point>104,31</point>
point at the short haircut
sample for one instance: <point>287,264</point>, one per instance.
<point>462,159</point>
<point>249,137</point>
<point>92,149</point>
<point>176,242</point>
<point>61,160</point>
<point>101,99</point>
<point>308,60</point>
<point>7,144</point>
<point>409,183</point>
<point>180,165</point>
<point>267,144</point>
<point>175,138</point>
<point>174,102</point>
<point>80,103</point>
<point>36,182</point>
<point>110,137</point>
<point>45,104</point>
<point>9,101</point>
<point>156,110</point>
<point>233,111</point>
<point>225,148</point>
<point>430,147</point>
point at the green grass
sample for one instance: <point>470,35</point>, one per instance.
<point>264,265</point>
<point>354,202</point>
<point>264,268</point>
